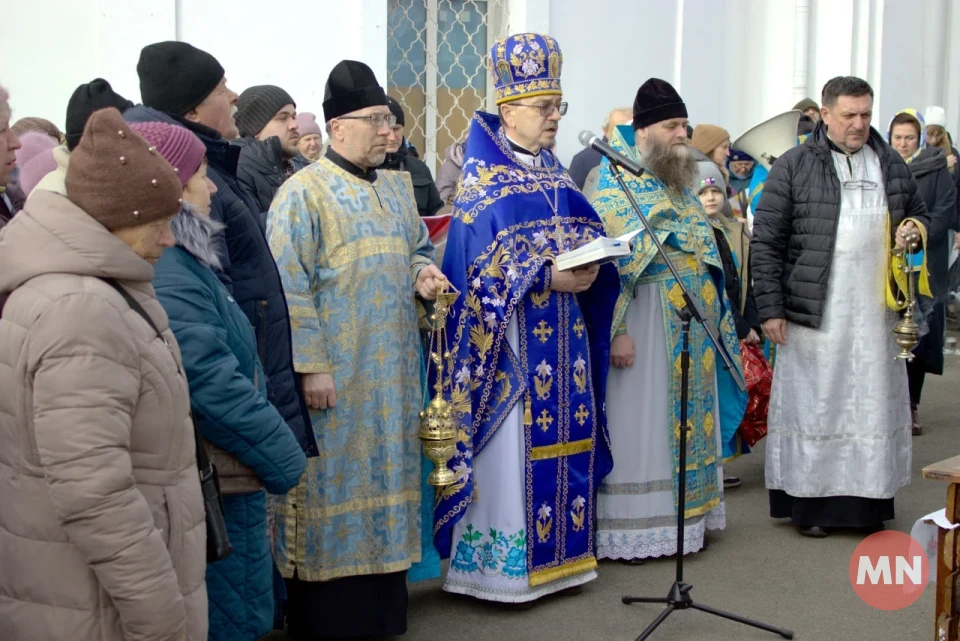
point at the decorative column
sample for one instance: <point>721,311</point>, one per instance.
<point>801,48</point>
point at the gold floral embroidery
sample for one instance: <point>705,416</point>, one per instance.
<point>543,380</point>
<point>577,513</point>
<point>580,374</point>
<point>505,387</point>
<point>540,300</point>
<point>544,523</point>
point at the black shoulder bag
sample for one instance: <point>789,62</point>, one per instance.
<point>218,543</point>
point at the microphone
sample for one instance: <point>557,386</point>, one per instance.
<point>591,140</point>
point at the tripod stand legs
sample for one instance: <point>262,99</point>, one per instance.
<point>786,634</point>
<point>656,622</point>
<point>679,596</point>
<point>680,599</point>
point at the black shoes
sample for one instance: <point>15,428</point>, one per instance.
<point>814,532</point>
<point>730,482</point>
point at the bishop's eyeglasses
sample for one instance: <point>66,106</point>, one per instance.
<point>546,110</point>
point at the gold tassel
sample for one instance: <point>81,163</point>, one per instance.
<point>527,413</point>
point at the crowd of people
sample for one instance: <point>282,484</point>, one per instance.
<point>212,363</point>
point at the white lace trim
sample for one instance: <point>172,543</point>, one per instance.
<point>659,541</point>
<point>486,593</point>
<point>717,517</point>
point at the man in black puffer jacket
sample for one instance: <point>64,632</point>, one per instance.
<point>839,423</point>
<point>267,122</point>
<point>399,158</point>
<point>185,86</point>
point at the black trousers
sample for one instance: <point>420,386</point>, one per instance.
<point>370,606</point>
<point>916,373</point>
<point>831,511</point>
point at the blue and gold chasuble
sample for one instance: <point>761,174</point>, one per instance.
<point>499,251</point>
<point>688,238</point>
<point>349,252</point>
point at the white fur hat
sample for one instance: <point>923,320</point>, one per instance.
<point>934,115</point>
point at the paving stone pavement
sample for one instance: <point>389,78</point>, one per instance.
<point>757,567</point>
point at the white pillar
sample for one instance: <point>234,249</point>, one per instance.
<point>951,82</point>
<point>934,37</point>
<point>430,153</point>
<point>528,15</point>
<point>801,50</point>
<point>875,55</point>
<point>831,42</point>
<point>373,37</point>
<point>678,48</point>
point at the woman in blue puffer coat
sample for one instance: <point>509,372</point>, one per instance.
<point>253,448</point>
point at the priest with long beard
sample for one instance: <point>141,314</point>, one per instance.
<point>637,506</point>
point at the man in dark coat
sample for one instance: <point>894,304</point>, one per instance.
<point>586,160</point>
<point>183,85</point>
<point>269,137</point>
<point>400,158</point>
<point>839,443</point>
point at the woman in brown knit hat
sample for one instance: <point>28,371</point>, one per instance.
<point>714,143</point>
<point>103,536</point>
<point>39,125</point>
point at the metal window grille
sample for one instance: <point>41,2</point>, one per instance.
<point>437,55</point>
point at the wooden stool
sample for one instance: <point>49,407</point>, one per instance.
<point>948,553</point>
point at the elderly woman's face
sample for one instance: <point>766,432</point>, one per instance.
<point>9,143</point>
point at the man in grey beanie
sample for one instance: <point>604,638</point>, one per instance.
<point>267,121</point>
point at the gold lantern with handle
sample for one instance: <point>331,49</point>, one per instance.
<point>438,427</point>
<point>906,332</point>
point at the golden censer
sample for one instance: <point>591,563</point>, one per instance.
<point>907,332</point>
<point>438,427</point>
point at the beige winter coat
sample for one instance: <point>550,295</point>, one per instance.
<point>55,181</point>
<point>102,534</point>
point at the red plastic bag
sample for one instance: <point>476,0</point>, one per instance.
<point>759,377</point>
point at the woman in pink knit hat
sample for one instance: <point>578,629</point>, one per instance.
<point>311,139</point>
<point>34,159</point>
<point>249,442</point>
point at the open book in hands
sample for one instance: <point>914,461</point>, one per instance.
<point>597,251</point>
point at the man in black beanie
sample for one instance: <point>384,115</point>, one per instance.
<point>87,98</point>
<point>636,503</point>
<point>185,86</point>
<point>399,158</point>
<point>267,110</point>
<point>267,120</point>
<point>185,82</point>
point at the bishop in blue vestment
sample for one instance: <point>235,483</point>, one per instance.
<point>530,345</point>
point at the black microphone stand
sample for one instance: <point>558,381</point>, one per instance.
<point>678,597</point>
